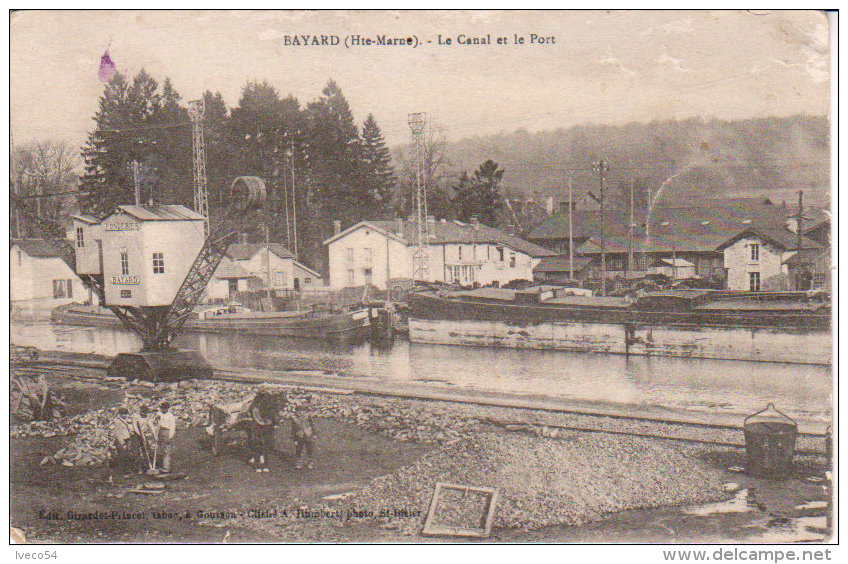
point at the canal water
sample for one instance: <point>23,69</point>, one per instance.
<point>690,384</point>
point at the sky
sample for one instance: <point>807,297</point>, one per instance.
<point>602,67</point>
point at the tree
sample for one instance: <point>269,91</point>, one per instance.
<point>218,152</point>
<point>434,175</point>
<point>334,153</point>
<point>41,168</point>
<point>171,154</point>
<point>480,196</point>
<point>132,121</point>
<point>378,173</point>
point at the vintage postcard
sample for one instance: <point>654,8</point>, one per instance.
<point>422,277</point>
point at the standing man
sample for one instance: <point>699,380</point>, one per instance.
<point>166,428</point>
<point>303,435</point>
<point>141,429</point>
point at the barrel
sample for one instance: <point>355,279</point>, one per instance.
<point>770,442</point>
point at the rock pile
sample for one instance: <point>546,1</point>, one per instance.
<point>190,401</point>
<point>542,482</point>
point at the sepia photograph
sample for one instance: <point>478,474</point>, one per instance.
<point>423,277</point>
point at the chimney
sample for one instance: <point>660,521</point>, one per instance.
<point>242,238</point>
<point>474,223</point>
<point>337,227</point>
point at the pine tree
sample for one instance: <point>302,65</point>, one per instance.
<point>378,173</point>
<point>128,124</point>
<point>218,153</point>
<point>335,160</point>
<point>480,196</point>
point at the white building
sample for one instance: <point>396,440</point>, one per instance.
<point>756,255</point>
<point>40,280</point>
<point>377,252</point>
<point>253,266</point>
<point>673,268</point>
<point>143,252</point>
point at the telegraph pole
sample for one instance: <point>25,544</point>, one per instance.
<point>600,166</point>
<point>799,227</point>
<point>196,109</point>
<point>570,228</point>
<point>630,233</point>
<point>420,260</point>
<point>294,201</point>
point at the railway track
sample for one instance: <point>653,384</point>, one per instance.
<point>542,421</point>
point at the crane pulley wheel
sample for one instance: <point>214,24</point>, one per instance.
<point>248,192</point>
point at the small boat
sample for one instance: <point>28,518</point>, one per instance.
<point>328,324</point>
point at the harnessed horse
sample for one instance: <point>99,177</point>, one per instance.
<point>257,418</point>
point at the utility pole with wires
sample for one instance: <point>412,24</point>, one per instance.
<point>286,204</point>
<point>629,266</point>
<point>570,228</point>
<point>799,229</point>
<point>420,258</point>
<point>293,200</point>
<point>601,167</point>
<point>196,109</point>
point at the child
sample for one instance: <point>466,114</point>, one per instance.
<point>303,434</point>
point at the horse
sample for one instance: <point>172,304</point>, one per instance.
<point>256,417</point>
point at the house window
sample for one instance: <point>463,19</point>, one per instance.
<point>279,279</point>
<point>307,280</point>
<point>754,281</point>
<point>350,277</point>
<point>349,255</point>
<point>512,260</point>
<point>125,263</point>
<point>459,252</point>
<point>368,275</point>
<point>501,254</point>
<point>367,255</point>
<point>126,293</point>
<point>70,289</point>
<point>80,238</point>
<point>59,289</point>
<point>755,251</point>
<point>232,285</point>
<point>158,263</point>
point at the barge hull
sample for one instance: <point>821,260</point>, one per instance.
<point>738,343</point>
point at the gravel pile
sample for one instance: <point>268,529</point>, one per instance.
<point>541,482</point>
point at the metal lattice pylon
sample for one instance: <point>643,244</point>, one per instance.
<point>196,110</point>
<point>420,257</point>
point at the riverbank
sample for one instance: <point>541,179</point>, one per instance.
<point>377,452</point>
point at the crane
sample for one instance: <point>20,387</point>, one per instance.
<point>159,325</point>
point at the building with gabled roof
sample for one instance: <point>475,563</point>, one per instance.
<point>377,252</point>
<point>40,280</point>
<point>257,266</point>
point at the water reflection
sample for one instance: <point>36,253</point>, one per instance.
<point>694,384</point>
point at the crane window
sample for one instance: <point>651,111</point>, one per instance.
<point>125,263</point>
<point>158,263</point>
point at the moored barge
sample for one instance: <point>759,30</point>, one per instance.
<point>347,324</point>
<point>757,326</point>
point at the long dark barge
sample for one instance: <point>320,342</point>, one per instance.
<point>757,326</point>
